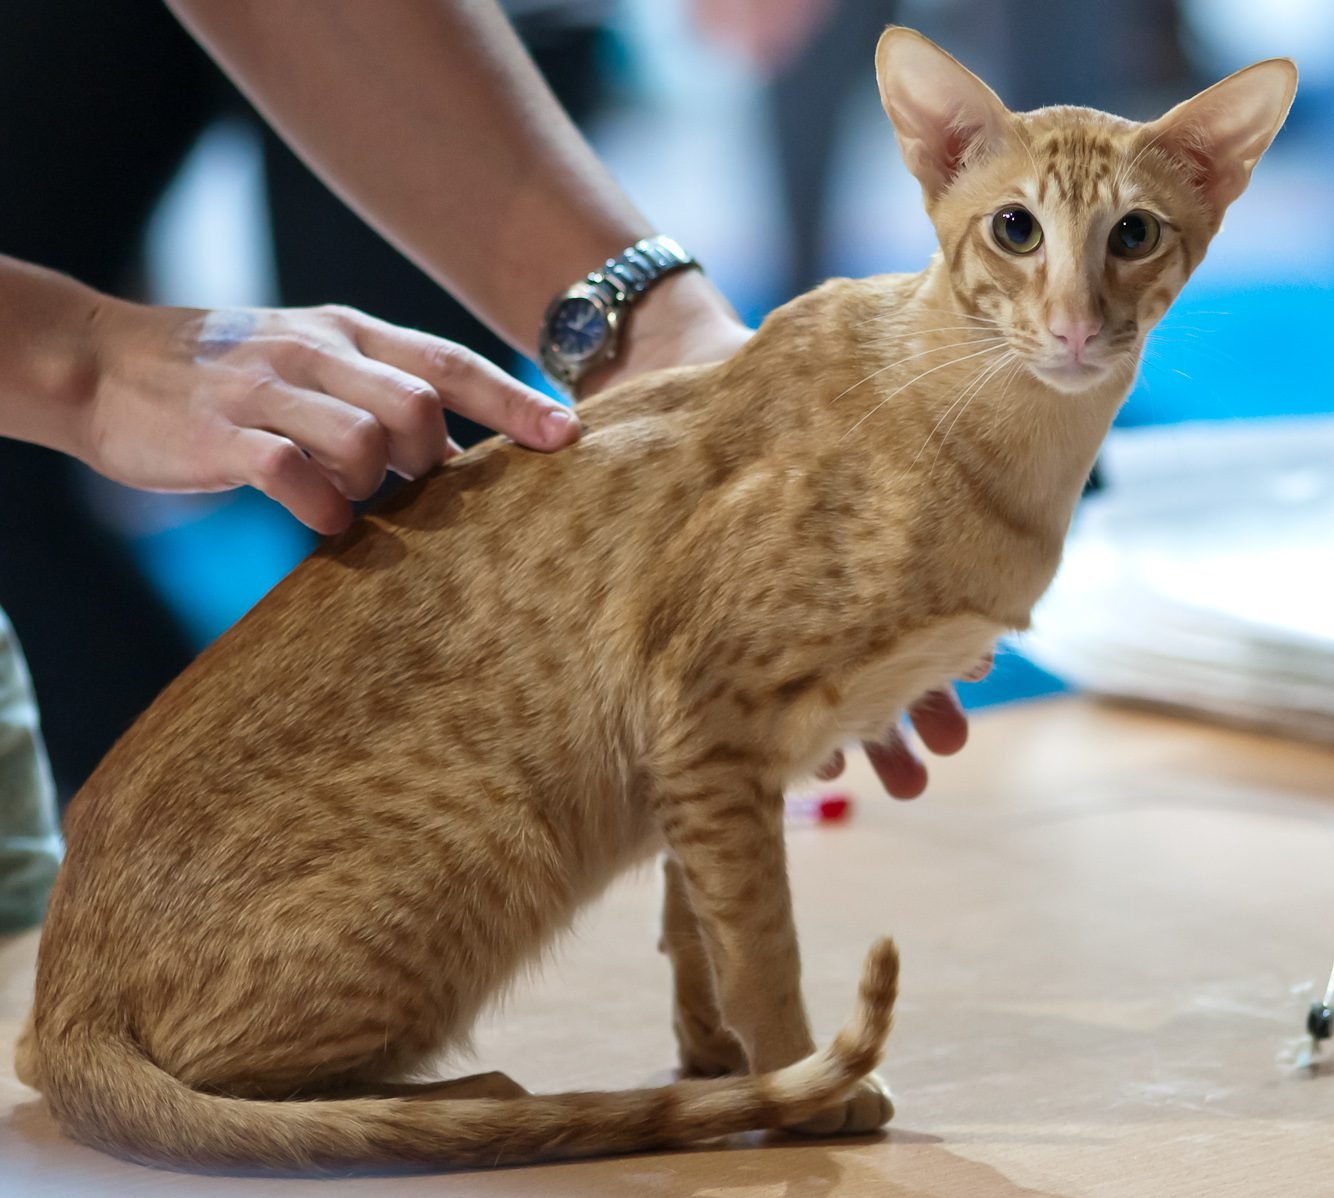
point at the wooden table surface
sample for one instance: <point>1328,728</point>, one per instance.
<point>1112,925</point>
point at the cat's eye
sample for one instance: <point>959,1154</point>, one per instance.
<point>1135,235</point>
<point>1017,230</point>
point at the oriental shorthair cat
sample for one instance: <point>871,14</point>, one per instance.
<point>303,872</point>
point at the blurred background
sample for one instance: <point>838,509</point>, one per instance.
<point>751,131</point>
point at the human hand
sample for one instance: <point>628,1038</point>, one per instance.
<point>942,726</point>
<point>309,405</point>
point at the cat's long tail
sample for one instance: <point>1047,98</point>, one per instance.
<point>107,1093</point>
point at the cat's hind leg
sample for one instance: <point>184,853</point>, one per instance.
<point>705,1046</point>
<point>26,1065</point>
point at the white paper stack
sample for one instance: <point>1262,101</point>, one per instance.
<point>1203,577</point>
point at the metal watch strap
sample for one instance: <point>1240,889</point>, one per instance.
<point>627,276</point>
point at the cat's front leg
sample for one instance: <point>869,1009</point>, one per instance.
<point>727,843</point>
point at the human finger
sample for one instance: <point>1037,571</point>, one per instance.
<point>940,721</point>
<point>471,386</point>
<point>407,408</point>
<point>981,669</point>
<point>348,441</point>
<point>833,767</point>
<point>899,769</point>
<point>276,466</point>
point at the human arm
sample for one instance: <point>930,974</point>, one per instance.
<point>481,178</point>
<point>429,119</point>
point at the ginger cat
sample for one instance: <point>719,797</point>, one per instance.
<point>343,830</point>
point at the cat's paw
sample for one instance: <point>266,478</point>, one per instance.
<point>717,1055</point>
<point>703,1046</point>
<point>868,1107</point>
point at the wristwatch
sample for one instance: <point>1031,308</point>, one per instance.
<point>582,327</point>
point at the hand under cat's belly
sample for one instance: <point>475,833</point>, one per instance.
<point>867,702</point>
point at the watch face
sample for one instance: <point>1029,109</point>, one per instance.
<point>578,328</point>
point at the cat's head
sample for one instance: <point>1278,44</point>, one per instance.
<point>1067,230</point>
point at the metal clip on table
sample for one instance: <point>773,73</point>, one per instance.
<point>1320,1021</point>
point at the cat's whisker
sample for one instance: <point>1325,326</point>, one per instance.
<point>960,315</point>
<point>1130,365</point>
<point>944,328</point>
<point>981,370</point>
<point>1154,346</point>
<point>955,403</point>
<point>992,371</point>
<point>959,406</point>
<point>973,320</point>
<point>920,354</point>
<point>1015,373</point>
<point>1124,172</point>
<point>949,328</point>
<point>942,308</point>
<point>1191,337</point>
<point>1190,343</point>
<point>1037,171</point>
<point>991,349</point>
<point>999,412</point>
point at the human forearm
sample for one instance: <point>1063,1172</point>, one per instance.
<point>47,367</point>
<point>429,119</point>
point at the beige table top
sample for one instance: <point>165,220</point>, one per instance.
<point>1112,925</point>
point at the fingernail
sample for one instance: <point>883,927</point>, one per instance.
<point>559,423</point>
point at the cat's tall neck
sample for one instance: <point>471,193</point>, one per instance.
<point>980,393</point>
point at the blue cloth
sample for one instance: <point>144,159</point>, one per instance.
<point>30,845</point>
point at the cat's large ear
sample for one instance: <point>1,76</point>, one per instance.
<point>1220,134</point>
<point>944,116</point>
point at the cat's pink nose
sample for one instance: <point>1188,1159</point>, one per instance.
<point>1074,333</point>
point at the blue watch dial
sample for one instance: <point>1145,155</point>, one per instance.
<point>578,328</point>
